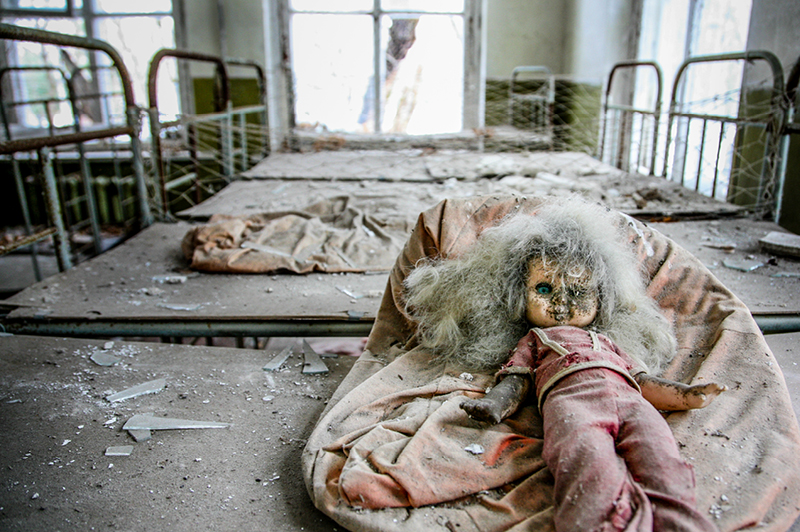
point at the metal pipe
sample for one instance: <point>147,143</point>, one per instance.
<point>768,323</point>
<point>700,157</point>
<point>19,33</point>
<point>152,94</point>
<point>777,323</point>
<point>143,205</point>
<point>775,115</point>
<point>186,328</point>
<point>656,112</point>
<point>26,241</point>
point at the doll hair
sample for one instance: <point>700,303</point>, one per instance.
<point>471,309</point>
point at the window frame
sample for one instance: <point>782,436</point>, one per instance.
<point>89,14</point>
<point>280,75</point>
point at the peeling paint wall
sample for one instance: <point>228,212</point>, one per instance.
<point>524,32</point>
<point>599,35</point>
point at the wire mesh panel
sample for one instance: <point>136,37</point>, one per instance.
<point>724,114</point>
<point>629,134</point>
<point>532,108</point>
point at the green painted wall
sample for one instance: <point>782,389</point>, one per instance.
<point>575,115</point>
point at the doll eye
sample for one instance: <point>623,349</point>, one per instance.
<point>543,288</point>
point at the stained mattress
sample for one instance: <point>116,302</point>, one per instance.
<point>393,450</point>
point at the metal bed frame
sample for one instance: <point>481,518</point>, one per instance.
<point>680,123</point>
<point>541,102</point>
<point>618,125</point>
<point>224,116</point>
<point>46,147</point>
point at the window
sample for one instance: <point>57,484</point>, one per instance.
<point>672,31</point>
<point>101,101</point>
<point>381,66</point>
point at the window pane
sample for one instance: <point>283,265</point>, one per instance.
<point>127,6</point>
<point>44,85</point>
<point>423,90</point>
<point>332,63</point>
<point>339,6</point>
<point>429,6</point>
<point>136,53</point>
<point>33,5</point>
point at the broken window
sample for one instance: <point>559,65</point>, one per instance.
<point>97,85</point>
<point>379,66</point>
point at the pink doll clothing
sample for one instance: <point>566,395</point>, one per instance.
<point>614,459</point>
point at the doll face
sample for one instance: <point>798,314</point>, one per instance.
<point>557,298</point>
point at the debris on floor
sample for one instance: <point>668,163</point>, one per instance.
<point>312,363</point>
<point>747,265</point>
<point>277,362</point>
<point>140,389</point>
<point>150,422</point>
<point>781,244</point>
<point>119,450</point>
<point>102,358</point>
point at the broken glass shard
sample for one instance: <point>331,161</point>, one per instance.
<point>119,450</point>
<point>276,362</point>
<point>312,363</point>
<point>140,435</point>
<point>140,389</point>
<point>104,359</point>
<point>142,422</point>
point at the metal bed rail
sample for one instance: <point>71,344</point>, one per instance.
<point>624,143</point>
<point>228,125</point>
<point>46,146</point>
<point>713,152</point>
<point>222,327</point>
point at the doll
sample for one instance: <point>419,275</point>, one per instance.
<point>592,344</point>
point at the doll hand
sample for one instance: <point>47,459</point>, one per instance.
<point>701,395</point>
<point>483,410</point>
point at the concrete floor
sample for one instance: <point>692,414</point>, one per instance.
<point>56,425</point>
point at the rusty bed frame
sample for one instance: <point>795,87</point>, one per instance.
<point>152,190</point>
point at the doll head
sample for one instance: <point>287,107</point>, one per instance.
<point>558,297</point>
<point>568,263</point>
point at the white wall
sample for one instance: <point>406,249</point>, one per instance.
<point>243,29</point>
<point>524,32</point>
<point>202,33</point>
<point>775,26</point>
<point>237,33</point>
<point>601,33</point>
<point>580,38</point>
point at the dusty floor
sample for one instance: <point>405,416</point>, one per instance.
<point>55,427</point>
<point>55,423</point>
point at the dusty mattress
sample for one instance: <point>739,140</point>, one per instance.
<point>394,451</point>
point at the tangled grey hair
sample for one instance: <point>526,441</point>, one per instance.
<point>471,309</point>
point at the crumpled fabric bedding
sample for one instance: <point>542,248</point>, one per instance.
<point>328,236</point>
<point>393,450</point>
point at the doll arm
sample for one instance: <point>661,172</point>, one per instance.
<point>499,402</point>
<point>671,395</point>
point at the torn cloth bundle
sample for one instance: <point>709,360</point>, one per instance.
<point>393,450</point>
<point>328,236</point>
